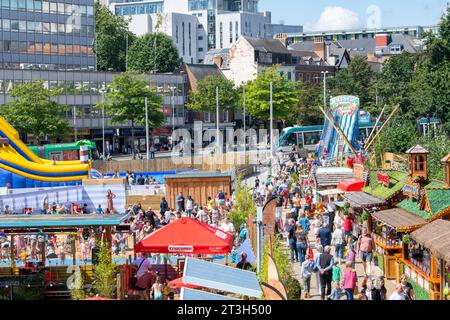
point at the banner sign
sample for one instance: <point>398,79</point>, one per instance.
<point>411,189</point>
<point>358,171</point>
<point>344,105</point>
<point>383,179</point>
<point>181,249</point>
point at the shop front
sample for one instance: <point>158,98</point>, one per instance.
<point>427,259</point>
<point>390,229</point>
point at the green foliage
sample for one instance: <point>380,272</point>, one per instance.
<point>295,178</point>
<point>243,205</point>
<point>282,260</point>
<point>204,98</point>
<point>105,271</point>
<point>307,111</point>
<point>153,50</point>
<point>354,80</point>
<point>397,137</point>
<point>125,101</point>
<point>420,293</point>
<point>439,147</point>
<point>34,111</point>
<point>111,39</point>
<point>258,95</point>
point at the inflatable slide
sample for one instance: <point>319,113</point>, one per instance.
<point>345,110</point>
<point>21,168</point>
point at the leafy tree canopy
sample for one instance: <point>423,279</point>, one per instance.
<point>34,111</point>
<point>111,39</point>
<point>258,95</point>
<point>204,98</point>
<point>153,52</point>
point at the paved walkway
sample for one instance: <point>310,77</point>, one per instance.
<point>314,292</point>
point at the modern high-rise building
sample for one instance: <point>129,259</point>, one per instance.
<point>47,35</point>
<point>197,26</point>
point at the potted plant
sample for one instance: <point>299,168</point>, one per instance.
<point>405,238</point>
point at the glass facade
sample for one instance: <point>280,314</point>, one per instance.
<point>47,35</point>
<point>139,8</point>
<point>81,92</point>
<point>196,5</point>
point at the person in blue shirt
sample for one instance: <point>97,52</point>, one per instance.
<point>324,235</point>
<point>180,202</point>
<point>100,209</point>
<point>304,222</point>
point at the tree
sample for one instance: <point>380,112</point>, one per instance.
<point>153,52</point>
<point>307,111</point>
<point>204,98</point>
<point>354,80</point>
<point>125,101</point>
<point>392,85</point>
<point>258,95</point>
<point>34,111</point>
<point>244,204</point>
<point>439,147</point>
<point>111,33</point>
<point>105,272</point>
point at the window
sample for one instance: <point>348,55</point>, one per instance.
<point>236,30</point>
<point>200,26</point>
<point>190,40</point>
<point>231,32</point>
<point>6,24</point>
<point>183,35</point>
<point>5,3</point>
<point>311,138</point>
<point>22,5</point>
<point>176,33</point>
<point>200,38</point>
<point>207,116</point>
<point>200,49</point>
<point>225,116</point>
<point>45,6</point>
<point>53,7</point>
<point>14,4</point>
<point>31,26</point>
<point>419,163</point>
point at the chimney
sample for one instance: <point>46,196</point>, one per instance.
<point>218,61</point>
<point>319,47</point>
<point>382,40</point>
<point>283,38</point>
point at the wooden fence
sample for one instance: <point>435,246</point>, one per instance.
<point>220,162</point>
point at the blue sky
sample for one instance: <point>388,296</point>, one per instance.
<point>338,14</point>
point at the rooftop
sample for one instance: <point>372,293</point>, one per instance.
<point>332,176</point>
<point>397,178</point>
<point>399,218</point>
<point>417,149</point>
<point>436,237</point>
<point>362,200</point>
<point>268,45</point>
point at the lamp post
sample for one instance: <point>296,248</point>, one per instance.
<point>147,136</point>
<point>245,132</point>
<point>217,119</point>
<point>102,91</point>
<point>271,128</point>
<point>324,89</point>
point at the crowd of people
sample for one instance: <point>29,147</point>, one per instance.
<point>323,239</point>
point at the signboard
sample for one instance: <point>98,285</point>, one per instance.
<point>181,249</point>
<point>358,171</point>
<point>344,105</point>
<point>383,179</point>
<point>411,189</point>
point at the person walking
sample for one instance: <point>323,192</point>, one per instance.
<point>163,206</point>
<point>324,235</point>
<point>189,206</point>
<point>325,266</point>
<point>364,249</point>
<point>349,280</point>
<point>307,271</point>
<point>292,239</point>
<point>337,239</point>
<point>297,201</point>
<point>319,252</point>
<point>407,288</point>
<point>180,202</point>
<point>351,254</point>
<point>302,243</point>
<point>304,222</point>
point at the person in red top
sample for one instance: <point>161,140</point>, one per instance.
<point>348,228</point>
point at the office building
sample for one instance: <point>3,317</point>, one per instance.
<point>47,35</point>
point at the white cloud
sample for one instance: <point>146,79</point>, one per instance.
<point>337,18</point>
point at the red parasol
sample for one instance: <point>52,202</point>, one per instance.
<point>187,236</point>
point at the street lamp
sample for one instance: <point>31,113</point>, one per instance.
<point>324,89</point>
<point>102,92</point>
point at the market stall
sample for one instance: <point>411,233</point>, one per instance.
<point>427,260</point>
<point>389,230</point>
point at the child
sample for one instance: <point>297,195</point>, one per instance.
<point>336,273</point>
<point>336,292</point>
<point>351,254</point>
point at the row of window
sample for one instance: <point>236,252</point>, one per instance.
<point>48,66</point>
<point>47,7</point>
<point>31,47</point>
<point>144,8</point>
<point>183,31</point>
<point>196,5</point>
<point>84,87</point>
<point>72,26</point>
